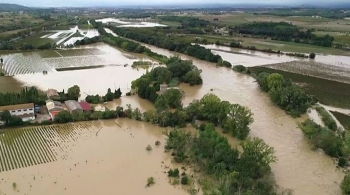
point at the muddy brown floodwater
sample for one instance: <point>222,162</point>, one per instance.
<point>113,162</point>
<point>298,168</point>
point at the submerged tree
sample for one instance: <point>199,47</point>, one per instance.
<point>312,55</point>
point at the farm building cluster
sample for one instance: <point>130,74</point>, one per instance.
<point>29,111</point>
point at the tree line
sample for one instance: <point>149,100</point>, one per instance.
<point>26,95</point>
<point>186,22</point>
<point>172,43</point>
<point>325,13</point>
<point>284,93</point>
<point>283,31</point>
<point>95,99</point>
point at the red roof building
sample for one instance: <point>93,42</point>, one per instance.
<point>53,114</point>
<point>86,106</point>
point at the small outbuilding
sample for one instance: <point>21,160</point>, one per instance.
<point>73,106</point>
<point>86,106</point>
<point>23,111</point>
<point>53,94</point>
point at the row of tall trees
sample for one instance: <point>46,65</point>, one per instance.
<point>26,95</point>
<point>283,31</point>
<point>186,21</point>
<point>172,43</point>
<point>95,99</point>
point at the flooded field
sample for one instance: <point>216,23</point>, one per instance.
<point>52,60</point>
<point>250,58</point>
<point>69,37</point>
<point>335,72</point>
<point>129,23</point>
<point>298,168</point>
<point>99,158</point>
<point>247,58</point>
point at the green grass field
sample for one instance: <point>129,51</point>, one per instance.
<point>62,27</point>
<point>35,40</point>
<point>302,21</point>
<point>326,91</point>
<point>170,23</point>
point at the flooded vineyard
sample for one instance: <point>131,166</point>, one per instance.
<point>100,158</point>
<point>52,60</point>
<point>25,147</point>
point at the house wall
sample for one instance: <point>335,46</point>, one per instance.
<point>22,111</point>
<point>28,118</point>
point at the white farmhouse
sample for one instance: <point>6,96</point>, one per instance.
<point>24,111</point>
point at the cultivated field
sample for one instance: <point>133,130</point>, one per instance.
<point>328,92</point>
<point>31,146</point>
<point>339,29</point>
<point>315,69</point>
<point>51,60</point>
<point>303,21</point>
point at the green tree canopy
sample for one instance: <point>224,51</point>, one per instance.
<point>275,80</point>
<point>74,92</point>
<point>312,55</point>
<point>64,117</point>
<point>345,185</point>
<point>174,97</point>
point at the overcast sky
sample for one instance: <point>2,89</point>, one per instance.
<point>82,3</point>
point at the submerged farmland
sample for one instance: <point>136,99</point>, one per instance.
<point>97,55</point>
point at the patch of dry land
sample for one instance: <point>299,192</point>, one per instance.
<point>100,157</point>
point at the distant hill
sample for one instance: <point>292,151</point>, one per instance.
<point>12,7</point>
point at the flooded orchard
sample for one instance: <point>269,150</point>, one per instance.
<point>298,168</point>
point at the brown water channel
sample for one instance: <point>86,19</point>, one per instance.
<point>298,167</point>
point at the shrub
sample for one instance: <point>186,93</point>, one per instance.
<point>184,180</point>
<point>345,185</point>
<point>14,185</point>
<point>173,173</point>
<point>150,181</point>
<point>149,148</point>
<point>46,123</point>
<point>342,162</point>
<point>240,68</point>
<point>312,55</point>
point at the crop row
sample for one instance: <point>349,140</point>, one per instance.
<point>26,147</point>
